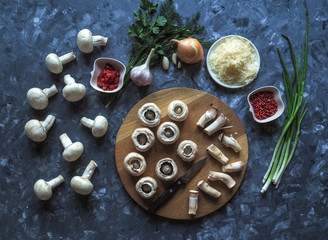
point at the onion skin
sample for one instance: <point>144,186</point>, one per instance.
<point>189,50</point>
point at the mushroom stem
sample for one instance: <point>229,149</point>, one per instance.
<point>193,202</point>
<point>48,122</point>
<point>209,115</point>
<point>65,140</point>
<point>68,79</point>
<point>56,181</point>
<point>66,58</point>
<point>87,122</point>
<point>217,125</point>
<point>225,178</point>
<point>90,169</point>
<point>202,185</point>
<point>99,40</point>
<point>216,153</point>
<point>230,142</point>
<point>50,91</point>
<point>233,167</point>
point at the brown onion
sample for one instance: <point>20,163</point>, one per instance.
<point>189,50</point>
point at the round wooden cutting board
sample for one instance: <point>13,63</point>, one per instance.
<point>198,102</point>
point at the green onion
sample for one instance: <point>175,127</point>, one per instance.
<point>295,112</point>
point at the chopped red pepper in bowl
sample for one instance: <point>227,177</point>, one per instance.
<point>107,75</point>
<point>108,78</point>
<point>265,104</point>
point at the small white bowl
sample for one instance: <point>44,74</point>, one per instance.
<point>99,65</point>
<point>215,46</point>
<point>277,98</point>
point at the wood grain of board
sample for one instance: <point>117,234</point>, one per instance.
<point>198,102</point>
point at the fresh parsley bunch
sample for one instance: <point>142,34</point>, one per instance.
<point>155,29</point>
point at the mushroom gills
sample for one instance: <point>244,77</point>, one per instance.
<point>142,139</point>
<point>166,168</point>
<point>168,132</point>
<point>135,164</point>
<point>146,187</point>
<point>149,115</point>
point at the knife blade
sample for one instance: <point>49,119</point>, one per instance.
<point>176,185</point>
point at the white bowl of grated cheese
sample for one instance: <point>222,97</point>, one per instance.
<point>233,61</point>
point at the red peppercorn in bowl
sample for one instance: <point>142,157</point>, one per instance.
<point>107,75</point>
<point>265,104</point>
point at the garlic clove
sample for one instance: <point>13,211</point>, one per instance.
<point>165,63</point>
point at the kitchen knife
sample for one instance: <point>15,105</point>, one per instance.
<point>176,185</point>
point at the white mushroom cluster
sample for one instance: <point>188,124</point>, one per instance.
<point>37,130</point>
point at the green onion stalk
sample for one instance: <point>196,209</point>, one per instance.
<point>295,112</point>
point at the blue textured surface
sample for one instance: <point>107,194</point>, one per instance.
<point>30,30</point>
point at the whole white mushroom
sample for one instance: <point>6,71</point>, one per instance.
<point>99,125</point>
<point>38,99</point>
<point>86,42</point>
<point>82,184</point>
<point>73,91</point>
<point>43,189</point>
<point>37,130</point>
<point>55,63</point>
<point>72,150</point>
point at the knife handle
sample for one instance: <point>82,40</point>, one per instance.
<point>165,196</point>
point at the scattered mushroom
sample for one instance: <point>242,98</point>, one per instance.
<point>216,153</point>
<point>202,185</point>
<point>150,115</point>
<point>146,187</point>
<point>55,63</point>
<point>98,126</point>
<point>233,167</point>
<point>143,139</point>
<point>72,151</point>
<point>217,125</point>
<point>43,189</point>
<point>82,184</point>
<point>230,142</point>
<point>37,130</point>
<point>187,150</point>
<point>175,58</point>
<point>193,202</point>
<point>86,42</point>
<point>135,164</point>
<point>209,115</point>
<point>166,169</point>
<point>168,133</point>
<point>225,178</point>
<point>177,111</point>
<point>38,99</point>
<point>73,91</point>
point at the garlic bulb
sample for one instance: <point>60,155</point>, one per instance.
<point>141,75</point>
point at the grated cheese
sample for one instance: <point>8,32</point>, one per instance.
<point>234,61</point>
